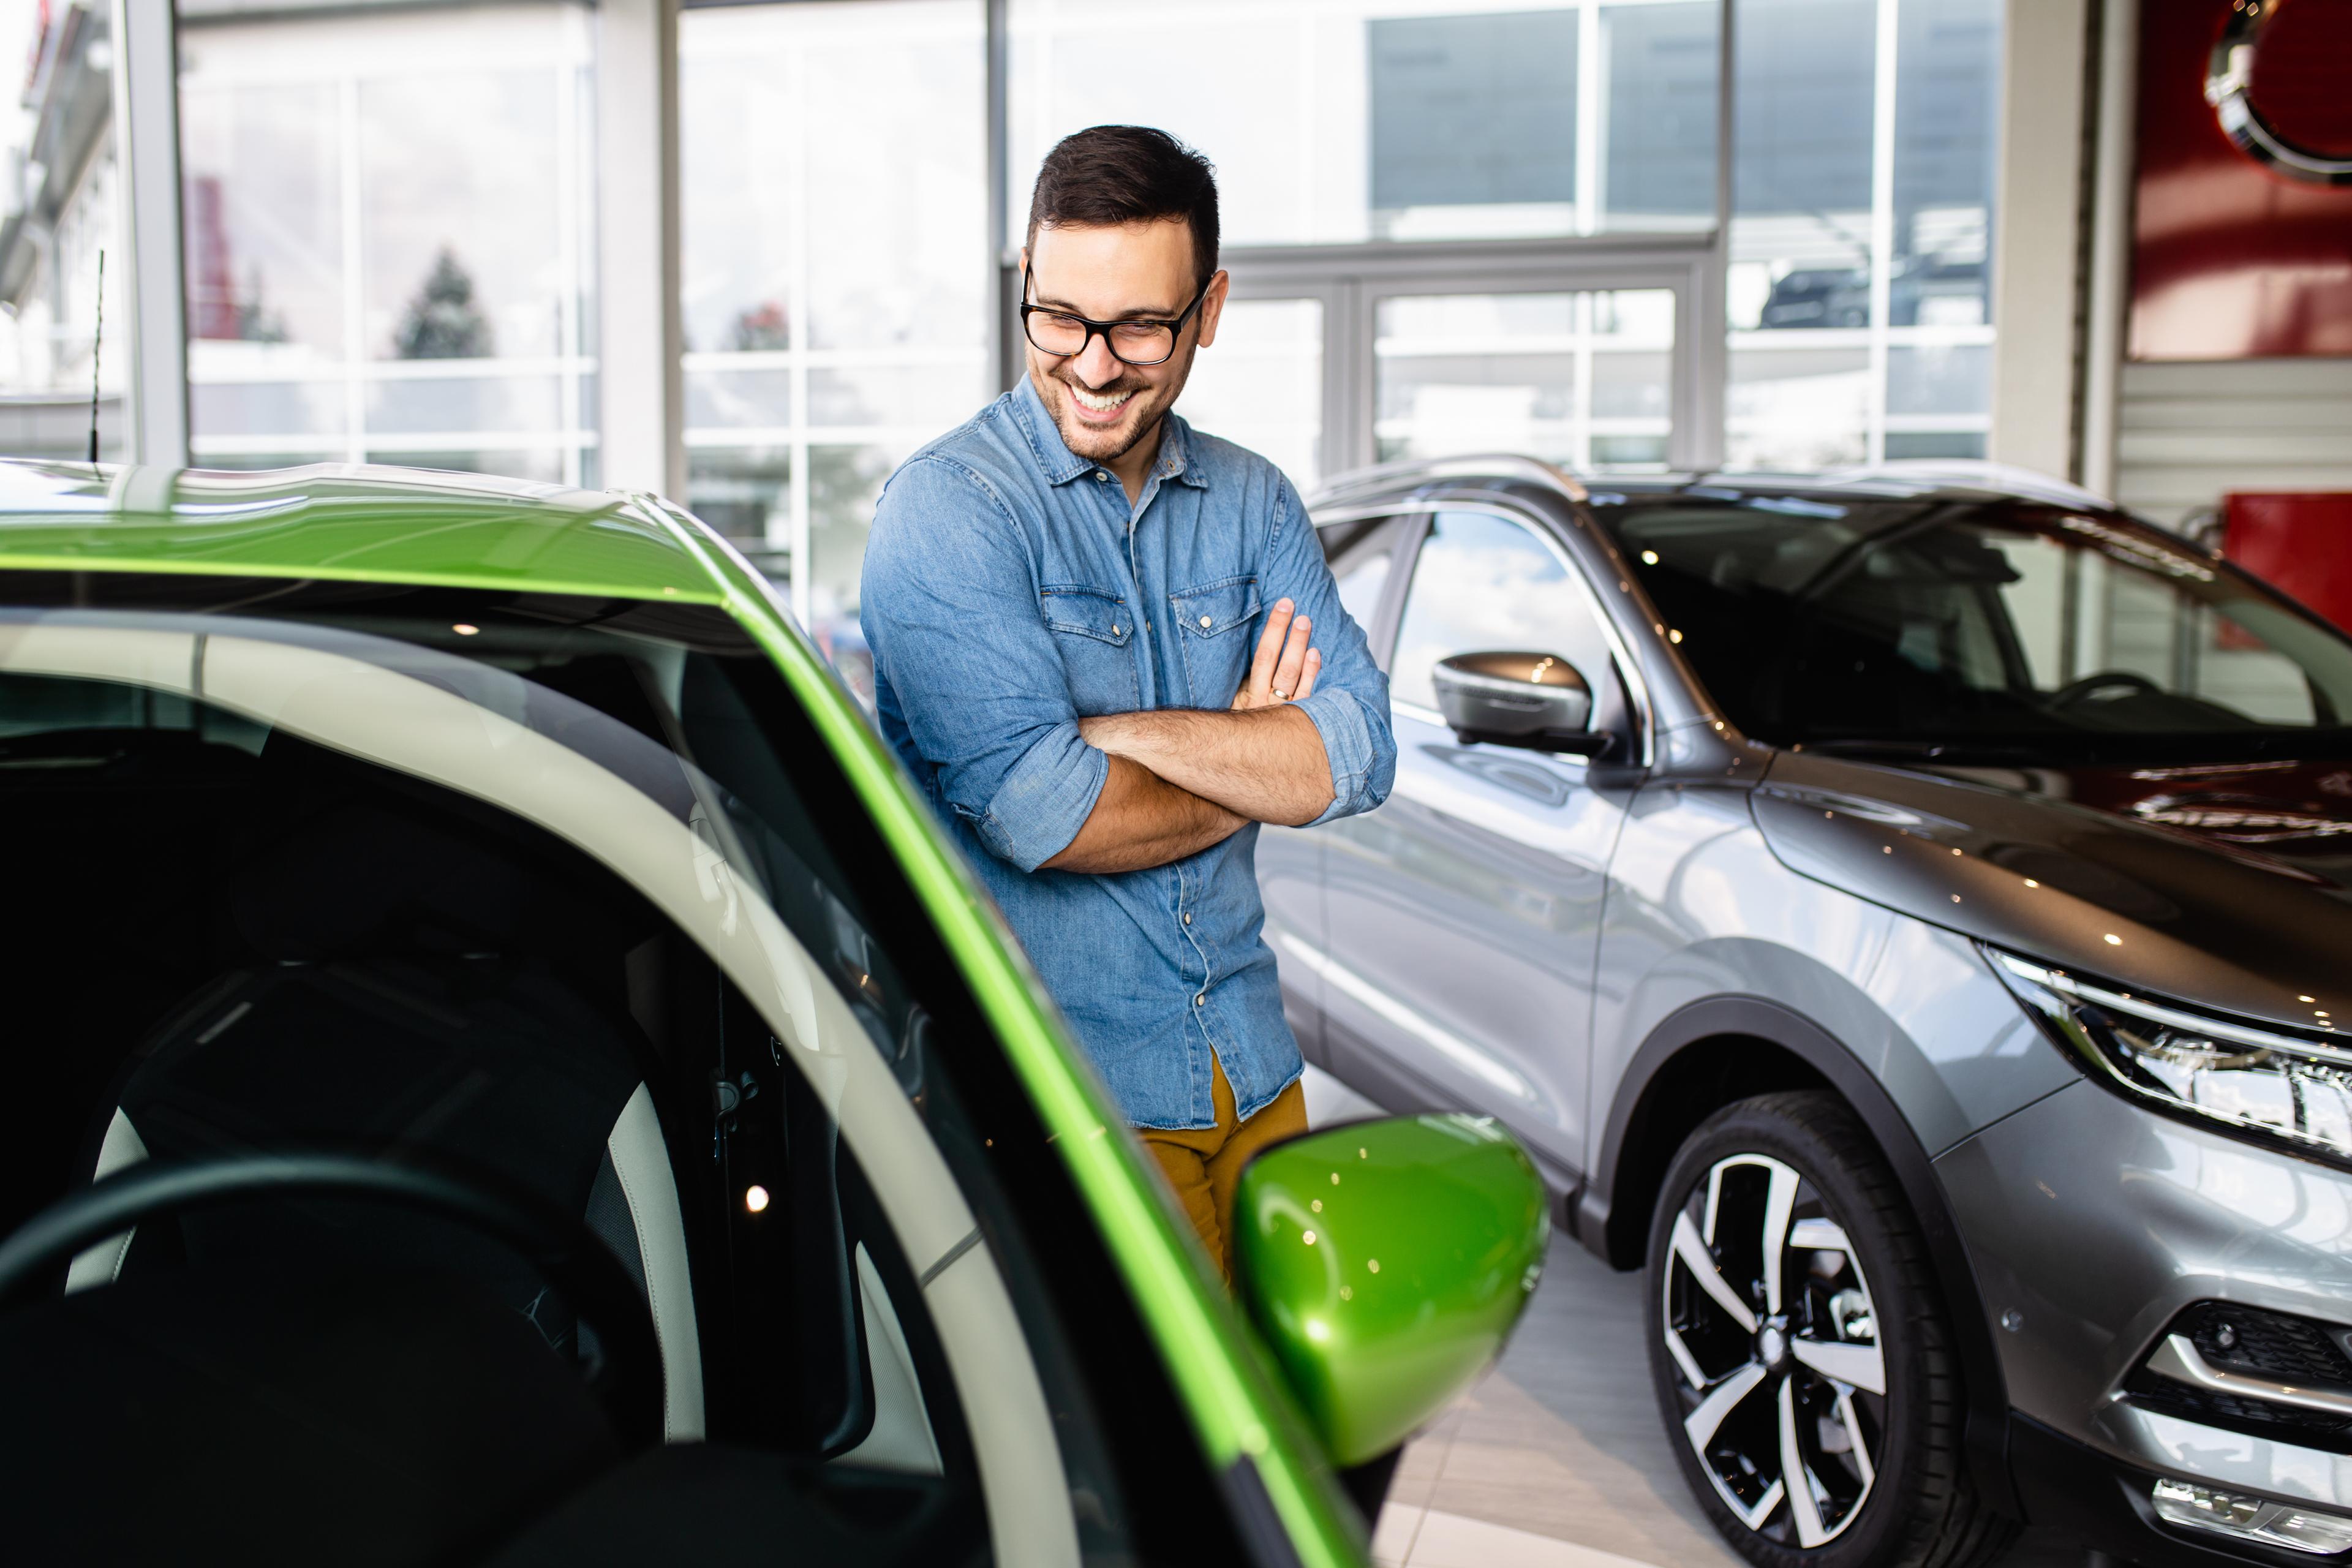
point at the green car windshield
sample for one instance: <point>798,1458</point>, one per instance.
<point>2003,630</point>
<point>536,818</point>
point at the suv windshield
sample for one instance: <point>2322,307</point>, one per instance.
<point>2001,630</point>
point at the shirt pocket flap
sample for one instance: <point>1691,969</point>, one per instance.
<point>1217,608</point>
<point>1090,612</point>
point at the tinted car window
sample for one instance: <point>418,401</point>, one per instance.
<point>1362,555</point>
<point>313,869</point>
<point>1483,583</point>
<point>2007,628</point>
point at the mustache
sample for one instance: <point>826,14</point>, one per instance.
<point>1123,384</point>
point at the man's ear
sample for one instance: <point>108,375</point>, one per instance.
<point>1213,305</point>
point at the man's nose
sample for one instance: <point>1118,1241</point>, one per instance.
<point>1097,365</point>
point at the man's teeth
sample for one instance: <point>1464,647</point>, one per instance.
<point>1101,403</point>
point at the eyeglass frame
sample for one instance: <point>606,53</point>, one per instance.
<point>1102,329</point>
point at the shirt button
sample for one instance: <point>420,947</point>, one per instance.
<point>1099,474</point>
<point>1114,629</point>
<point>1204,996</point>
<point>1205,621</point>
<point>1188,919</point>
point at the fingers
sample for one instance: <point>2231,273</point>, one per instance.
<point>1293,663</point>
<point>1256,690</point>
<point>1313,667</point>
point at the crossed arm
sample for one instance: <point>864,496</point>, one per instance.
<point>1183,779</point>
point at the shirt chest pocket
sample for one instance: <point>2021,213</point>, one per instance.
<point>1214,623</point>
<point>1092,631</point>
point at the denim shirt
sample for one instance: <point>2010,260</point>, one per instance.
<point>1009,591</point>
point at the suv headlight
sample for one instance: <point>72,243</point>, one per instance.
<point>2255,1080</point>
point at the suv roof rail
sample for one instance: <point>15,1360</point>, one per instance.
<point>1474,465</point>
<point>1975,473</point>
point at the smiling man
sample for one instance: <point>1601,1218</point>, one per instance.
<point>1109,647</point>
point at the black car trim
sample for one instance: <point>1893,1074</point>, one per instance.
<point>1618,1239</point>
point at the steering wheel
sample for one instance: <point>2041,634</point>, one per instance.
<point>2075,691</point>
<point>625,1376</point>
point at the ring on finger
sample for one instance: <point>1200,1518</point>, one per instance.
<point>1280,695</point>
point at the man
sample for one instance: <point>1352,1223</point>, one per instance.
<point>1108,647</point>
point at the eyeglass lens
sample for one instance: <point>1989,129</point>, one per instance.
<point>1137,342</point>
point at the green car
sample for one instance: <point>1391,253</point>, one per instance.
<point>505,1069</point>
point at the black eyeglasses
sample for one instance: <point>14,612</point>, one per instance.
<point>1135,342</point>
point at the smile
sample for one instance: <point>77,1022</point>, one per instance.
<point>1103,406</point>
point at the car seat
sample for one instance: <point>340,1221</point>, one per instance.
<point>411,978</point>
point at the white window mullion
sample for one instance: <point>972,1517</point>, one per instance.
<point>351,214</point>
<point>1589,106</point>
<point>1882,223</point>
<point>802,594</point>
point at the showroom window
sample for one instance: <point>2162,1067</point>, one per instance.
<point>58,184</point>
<point>1393,121</point>
<point>387,222</point>
<point>835,274</point>
<point>1861,231</point>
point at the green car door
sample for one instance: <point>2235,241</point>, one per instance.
<point>555,773</point>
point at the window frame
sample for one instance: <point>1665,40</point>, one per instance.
<point>1382,634</point>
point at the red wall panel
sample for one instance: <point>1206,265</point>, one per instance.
<point>2232,260</point>
<point>2301,543</point>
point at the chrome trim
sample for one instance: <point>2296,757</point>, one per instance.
<point>2235,1461</point>
<point>1628,668</point>
<point>2229,80</point>
<point>2178,1359</point>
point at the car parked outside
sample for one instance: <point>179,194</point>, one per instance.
<point>1910,915</point>
<point>505,1069</point>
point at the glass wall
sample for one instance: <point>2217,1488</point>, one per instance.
<point>1861,216</point>
<point>1341,120</point>
<point>837,272</point>
<point>1578,379</point>
<point>388,230</point>
<point>59,184</point>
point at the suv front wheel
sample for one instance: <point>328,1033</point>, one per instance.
<point>1800,1352</point>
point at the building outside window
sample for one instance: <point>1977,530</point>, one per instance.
<point>388,227</point>
<point>1861,216</point>
<point>59,182</point>
<point>836,271</point>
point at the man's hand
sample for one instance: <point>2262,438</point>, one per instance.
<point>1259,760</point>
<point>1286,666</point>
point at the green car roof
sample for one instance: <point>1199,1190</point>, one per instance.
<point>467,531</point>
<point>333,521</point>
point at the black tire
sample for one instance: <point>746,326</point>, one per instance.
<point>1858,1298</point>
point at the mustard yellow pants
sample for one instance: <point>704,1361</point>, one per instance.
<point>1204,1164</point>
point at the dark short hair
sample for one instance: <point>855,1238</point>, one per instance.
<point>1108,175</point>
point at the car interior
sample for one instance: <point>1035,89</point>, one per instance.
<point>308,891</point>
<point>1879,625</point>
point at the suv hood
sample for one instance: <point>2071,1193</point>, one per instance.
<point>2229,885</point>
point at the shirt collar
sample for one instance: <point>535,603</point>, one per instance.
<point>1060,465</point>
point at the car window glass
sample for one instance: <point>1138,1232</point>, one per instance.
<point>831,1329</point>
<point>2006,625</point>
<point>1360,553</point>
<point>1483,583</point>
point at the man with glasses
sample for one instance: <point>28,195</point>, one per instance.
<point>1108,647</point>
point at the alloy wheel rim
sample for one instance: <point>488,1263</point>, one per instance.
<point>1781,1376</point>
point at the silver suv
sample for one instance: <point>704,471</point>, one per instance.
<point>1910,917</point>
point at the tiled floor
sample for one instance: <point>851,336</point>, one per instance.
<point>1559,1459</point>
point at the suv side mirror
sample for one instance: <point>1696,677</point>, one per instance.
<point>1537,701</point>
<point>1386,1263</point>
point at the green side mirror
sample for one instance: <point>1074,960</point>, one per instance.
<point>1385,1263</point>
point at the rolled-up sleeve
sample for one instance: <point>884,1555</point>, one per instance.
<point>949,605</point>
<point>1350,703</point>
